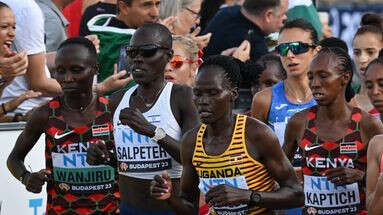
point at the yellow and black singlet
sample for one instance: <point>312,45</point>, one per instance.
<point>235,167</point>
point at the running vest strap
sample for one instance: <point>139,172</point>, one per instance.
<point>77,187</point>
<point>322,196</point>
<point>281,110</point>
<point>235,167</point>
<point>138,155</point>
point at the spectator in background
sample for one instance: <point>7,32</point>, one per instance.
<point>7,35</point>
<point>182,68</point>
<point>116,31</point>
<point>54,22</point>
<point>30,38</point>
<point>181,17</point>
<point>367,43</point>
<point>252,21</point>
<point>305,9</point>
<point>101,7</point>
<point>326,29</point>
<point>208,10</point>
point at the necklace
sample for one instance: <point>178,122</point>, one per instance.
<point>293,94</point>
<point>82,109</point>
<point>147,104</point>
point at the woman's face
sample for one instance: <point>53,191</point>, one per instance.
<point>181,69</point>
<point>374,85</point>
<point>326,82</point>
<point>366,48</point>
<point>7,29</point>
<point>296,64</point>
<point>187,18</point>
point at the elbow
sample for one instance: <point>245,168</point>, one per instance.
<point>10,161</point>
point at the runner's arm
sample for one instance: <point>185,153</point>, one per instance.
<point>293,131</point>
<point>290,193</point>
<point>187,202</point>
<point>261,105</point>
<point>374,187</point>
<point>26,140</point>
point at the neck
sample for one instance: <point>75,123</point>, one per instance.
<point>120,17</point>
<point>151,89</point>
<point>338,109</point>
<point>60,4</point>
<point>298,87</point>
<point>254,19</point>
<point>78,101</point>
<point>222,126</point>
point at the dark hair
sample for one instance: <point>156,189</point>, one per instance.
<point>370,23</point>
<point>343,60</point>
<point>304,25</point>
<point>334,42</point>
<point>268,59</point>
<point>378,60</point>
<point>230,68</point>
<point>257,7</point>
<point>209,8</point>
<point>2,4</point>
<point>128,2</point>
<point>84,42</point>
<point>157,30</point>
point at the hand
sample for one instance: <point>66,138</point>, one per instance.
<point>169,23</point>
<point>96,42</point>
<point>342,176</point>
<point>35,181</point>
<point>202,40</point>
<point>30,94</point>
<point>229,52</point>
<point>224,195</point>
<point>134,119</point>
<point>161,187</point>
<point>13,64</point>
<point>97,153</point>
<point>243,51</point>
<point>114,82</point>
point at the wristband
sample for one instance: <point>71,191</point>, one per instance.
<point>22,177</point>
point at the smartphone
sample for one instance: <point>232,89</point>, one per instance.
<point>123,63</point>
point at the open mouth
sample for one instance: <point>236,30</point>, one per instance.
<point>291,65</point>
<point>8,43</point>
<point>318,95</point>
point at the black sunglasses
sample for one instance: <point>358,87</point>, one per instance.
<point>295,47</point>
<point>146,51</point>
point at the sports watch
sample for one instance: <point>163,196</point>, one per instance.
<point>255,198</point>
<point>159,134</point>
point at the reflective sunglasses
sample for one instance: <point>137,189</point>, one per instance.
<point>146,51</point>
<point>295,47</point>
<point>177,61</point>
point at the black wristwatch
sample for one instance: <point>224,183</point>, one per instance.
<point>255,198</point>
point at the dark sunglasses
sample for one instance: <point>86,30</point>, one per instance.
<point>146,51</point>
<point>295,47</point>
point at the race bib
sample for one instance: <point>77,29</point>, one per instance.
<point>137,153</point>
<point>239,182</point>
<point>73,174</point>
<point>324,197</point>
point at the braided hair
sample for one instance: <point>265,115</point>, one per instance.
<point>343,61</point>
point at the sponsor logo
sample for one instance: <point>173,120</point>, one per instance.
<point>59,136</point>
<point>64,187</point>
<point>309,148</point>
<point>281,106</point>
<point>311,211</point>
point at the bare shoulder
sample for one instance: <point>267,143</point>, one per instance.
<point>298,120</point>
<point>376,145</point>
<point>263,98</point>
<point>261,104</point>
<point>257,130</point>
<point>181,90</point>
<point>370,125</point>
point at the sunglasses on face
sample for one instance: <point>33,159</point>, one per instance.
<point>146,51</point>
<point>177,61</point>
<point>295,47</point>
